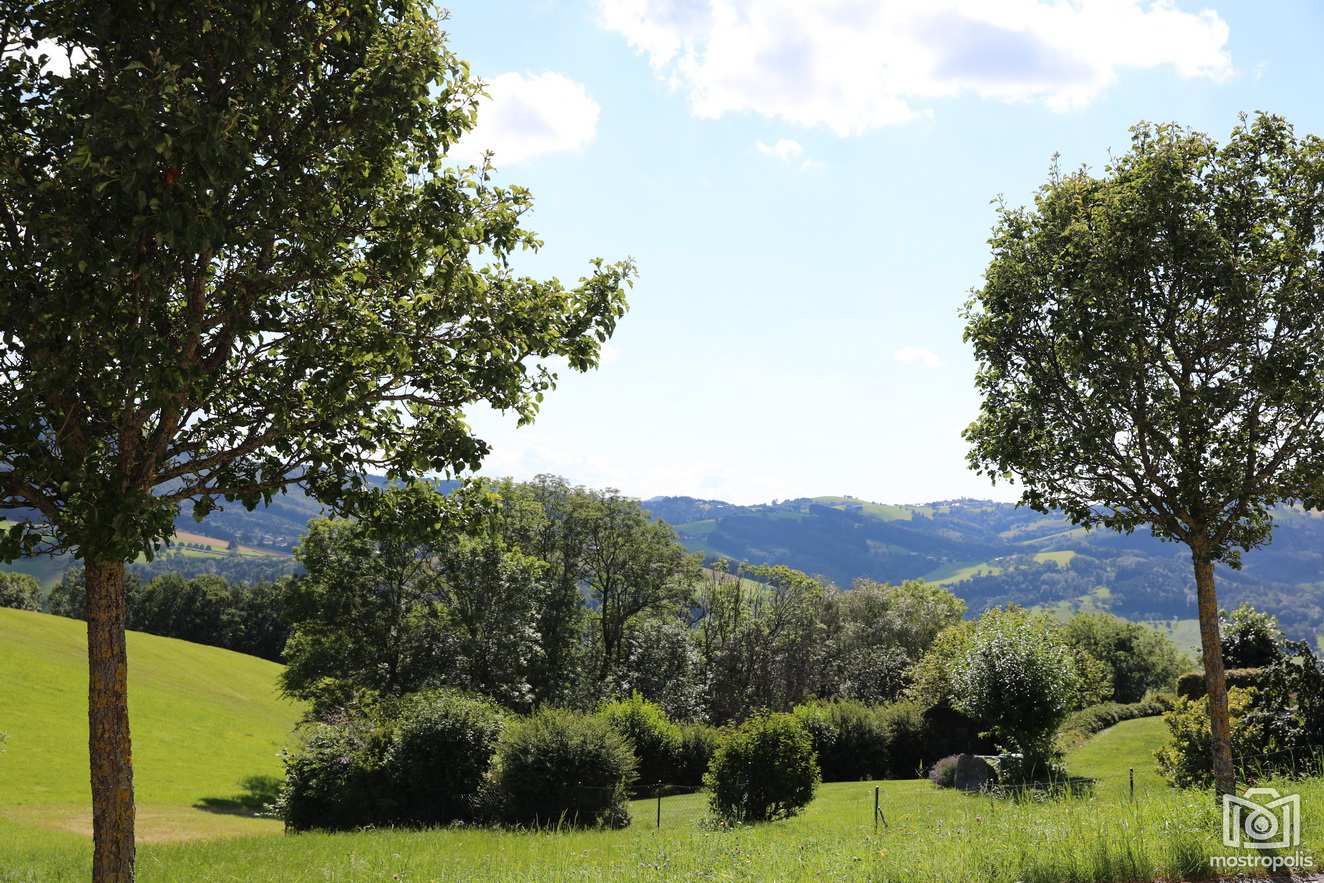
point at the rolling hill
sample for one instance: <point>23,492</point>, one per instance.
<point>208,727</point>
<point>995,553</point>
<point>988,553</point>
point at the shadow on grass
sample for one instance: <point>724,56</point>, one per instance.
<point>259,792</point>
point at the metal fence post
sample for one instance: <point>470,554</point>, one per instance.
<point>1132,773</point>
<point>659,807</point>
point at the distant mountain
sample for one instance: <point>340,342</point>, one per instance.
<point>988,553</point>
<point>995,553</point>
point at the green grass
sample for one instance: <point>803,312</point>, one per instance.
<point>1061,558</point>
<point>204,721</point>
<point>205,718</point>
<point>957,573</point>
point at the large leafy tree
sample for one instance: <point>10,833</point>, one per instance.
<point>1151,349</point>
<point>231,256</point>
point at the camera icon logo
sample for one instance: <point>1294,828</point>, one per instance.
<point>1261,819</point>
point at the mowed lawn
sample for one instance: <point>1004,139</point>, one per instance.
<point>206,719</point>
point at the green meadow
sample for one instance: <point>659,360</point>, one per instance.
<point>207,721</point>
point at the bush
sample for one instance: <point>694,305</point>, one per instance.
<point>766,769</point>
<point>848,739</point>
<point>1191,685</point>
<point>336,779</point>
<point>654,738</point>
<point>19,591</point>
<point>559,767</point>
<point>907,737</point>
<point>1250,638</point>
<point>1186,759</point>
<point>943,772</point>
<point>439,755</point>
<point>694,752</point>
<point>1020,678</point>
<point>419,761</point>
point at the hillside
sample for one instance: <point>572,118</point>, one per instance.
<point>995,553</point>
<point>208,726</point>
<point>988,553</point>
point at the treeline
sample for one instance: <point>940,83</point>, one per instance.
<point>541,593</point>
<point>207,609</point>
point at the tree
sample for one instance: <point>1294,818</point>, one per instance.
<point>1150,349</point>
<point>20,591</point>
<point>1140,658</point>
<point>232,257</point>
<point>633,565</point>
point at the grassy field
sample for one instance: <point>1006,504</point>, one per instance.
<point>208,726</point>
<point>206,719</point>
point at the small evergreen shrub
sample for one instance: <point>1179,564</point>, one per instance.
<point>557,767</point>
<point>694,752</point>
<point>439,755</point>
<point>765,769</point>
<point>943,772</point>
<point>654,738</point>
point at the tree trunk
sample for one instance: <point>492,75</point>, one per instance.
<point>1225,779</point>
<point>108,724</point>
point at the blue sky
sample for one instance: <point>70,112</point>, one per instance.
<point>807,189</point>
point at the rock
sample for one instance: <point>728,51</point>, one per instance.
<point>974,772</point>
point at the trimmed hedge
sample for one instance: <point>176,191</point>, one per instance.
<point>848,737</point>
<point>557,767</point>
<point>1191,685</point>
<point>1080,725</point>
<point>694,753</point>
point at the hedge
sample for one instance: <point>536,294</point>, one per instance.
<point>1191,684</point>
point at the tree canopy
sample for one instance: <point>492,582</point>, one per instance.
<point>1150,346</point>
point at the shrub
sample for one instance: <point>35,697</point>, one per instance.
<point>19,591</point>
<point>1185,760</point>
<point>1250,637</point>
<point>848,739</point>
<point>439,755</point>
<point>907,737</point>
<point>559,767</point>
<point>694,752</point>
<point>1018,677</point>
<point>943,772</point>
<point>336,780</point>
<point>1191,685</point>
<point>654,738</point>
<point>764,770</point>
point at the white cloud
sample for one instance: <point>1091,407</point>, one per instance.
<point>528,116</point>
<point>917,355</point>
<point>784,149</point>
<point>855,65</point>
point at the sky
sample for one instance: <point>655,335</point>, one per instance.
<point>808,188</point>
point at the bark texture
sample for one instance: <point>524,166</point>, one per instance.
<point>108,724</point>
<point>1225,779</point>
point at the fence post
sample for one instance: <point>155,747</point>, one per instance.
<point>1132,774</point>
<point>875,809</point>
<point>659,807</point>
